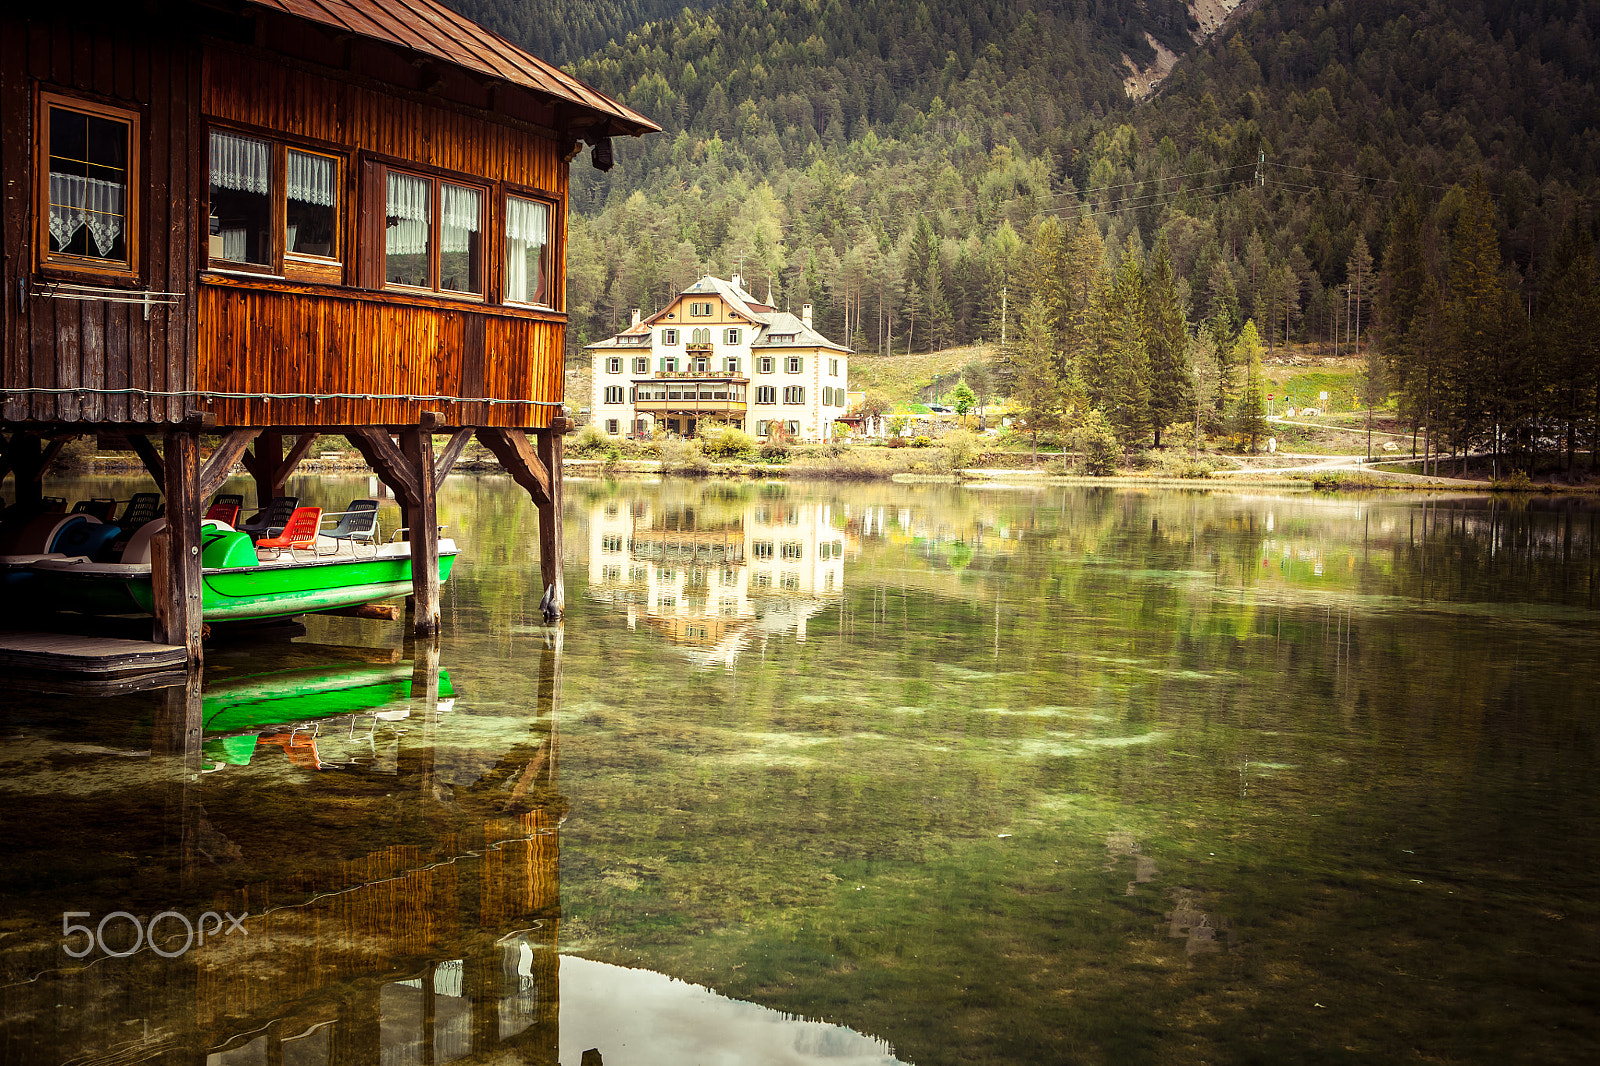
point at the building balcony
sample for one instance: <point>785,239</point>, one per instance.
<point>691,407</point>
<point>704,375</point>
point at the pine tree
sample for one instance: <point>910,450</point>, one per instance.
<point>1167,342</point>
<point>1039,393</point>
<point>1250,421</point>
<point>1476,306</point>
<point>1568,312</point>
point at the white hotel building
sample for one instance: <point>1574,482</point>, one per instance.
<point>716,354</point>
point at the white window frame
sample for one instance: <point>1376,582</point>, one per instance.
<point>795,364</point>
<point>669,337</point>
<point>732,335</point>
<point>641,364</point>
<point>614,365</point>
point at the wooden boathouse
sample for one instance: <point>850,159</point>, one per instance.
<point>258,219</point>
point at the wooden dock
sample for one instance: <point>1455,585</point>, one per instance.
<point>101,658</point>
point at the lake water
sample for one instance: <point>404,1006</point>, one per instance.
<point>849,773</point>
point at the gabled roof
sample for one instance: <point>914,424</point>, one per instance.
<point>429,27</point>
<point>774,329</point>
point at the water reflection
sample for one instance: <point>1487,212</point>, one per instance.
<point>712,575</point>
<point>346,862</point>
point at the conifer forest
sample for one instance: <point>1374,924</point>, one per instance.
<point>1127,202</point>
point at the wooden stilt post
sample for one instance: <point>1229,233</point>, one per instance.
<point>175,552</point>
<point>550,547</point>
<point>417,445</point>
<point>263,463</point>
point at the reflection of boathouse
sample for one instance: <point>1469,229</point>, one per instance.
<point>712,574</point>
<point>402,908</point>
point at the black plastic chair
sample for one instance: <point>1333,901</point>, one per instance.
<point>358,525</point>
<point>96,507</point>
<point>270,522</point>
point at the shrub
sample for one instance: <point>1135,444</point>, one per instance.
<point>922,442</point>
<point>1516,481</point>
<point>683,457</point>
<point>726,442</point>
<point>962,446</point>
<point>775,451</point>
<point>1096,442</point>
<point>589,443</point>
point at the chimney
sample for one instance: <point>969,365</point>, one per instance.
<point>805,315</point>
<point>635,316</point>
<point>738,282</point>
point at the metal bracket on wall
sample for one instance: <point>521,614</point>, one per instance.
<point>146,298</point>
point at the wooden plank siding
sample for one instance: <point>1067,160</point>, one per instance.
<point>146,68</point>
<point>331,342</point>
<point>275,337</point>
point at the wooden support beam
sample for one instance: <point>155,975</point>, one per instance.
<point>302,445</point>
<point>263,461</point>
<point>153,463</point>
<point>518,458</point>
<point>550,540</point>
<point>418,449</point>
<point>390,463</point>
<point>175,551</point>
<point>220,463</point>
<point>447,458</point>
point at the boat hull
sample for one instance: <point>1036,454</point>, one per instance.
<point>270,590</point>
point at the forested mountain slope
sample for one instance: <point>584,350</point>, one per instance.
<point>912,166</point>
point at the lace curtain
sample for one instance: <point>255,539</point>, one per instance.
<point>526,230</point>
<point>76,202</point>
<point>311,178</point>
<point>240,163</point>
<point>409,209</point>
<point>459,217</point>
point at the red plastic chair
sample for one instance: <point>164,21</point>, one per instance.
<point>225,509</point>
<point>299,533</point>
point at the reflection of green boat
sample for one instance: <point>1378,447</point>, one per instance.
<point>291,708</point>
<point>237,584</point>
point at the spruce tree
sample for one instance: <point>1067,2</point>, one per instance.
<point>1039,393</point>
<point>1167,342</point>
<point>1250,422</point>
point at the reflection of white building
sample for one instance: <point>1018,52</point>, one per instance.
<point>712,578</point>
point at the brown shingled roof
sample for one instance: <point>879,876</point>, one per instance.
<point>433,29</point>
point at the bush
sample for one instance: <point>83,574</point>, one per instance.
<point>1516,481</point>
<point>962,446</point>
<point>1096,442</point>
<point>922,442</point>
<point>682,457</point>
<point>775,452</point>
<point>590,443</point>
<point>727,442</point>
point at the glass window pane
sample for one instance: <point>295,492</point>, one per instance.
<point>460,223</point>
<point>88,185</point>
<point>527,233</point>
<point>241,199</point>
<point>408,232</point>
<point>311,204</point>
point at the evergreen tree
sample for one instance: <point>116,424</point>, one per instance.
<point>1167,342</point>
<point>1569,311</point>
<point>1039,394</point>
<point>1476,308</point>
<point>1250,422</point>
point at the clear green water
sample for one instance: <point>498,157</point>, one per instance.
<point>939,774</point>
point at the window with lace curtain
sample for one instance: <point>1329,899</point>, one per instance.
<point>273,208</point>
<point>527,279</point>
<point>433,234</point>
<point>89,185</point>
